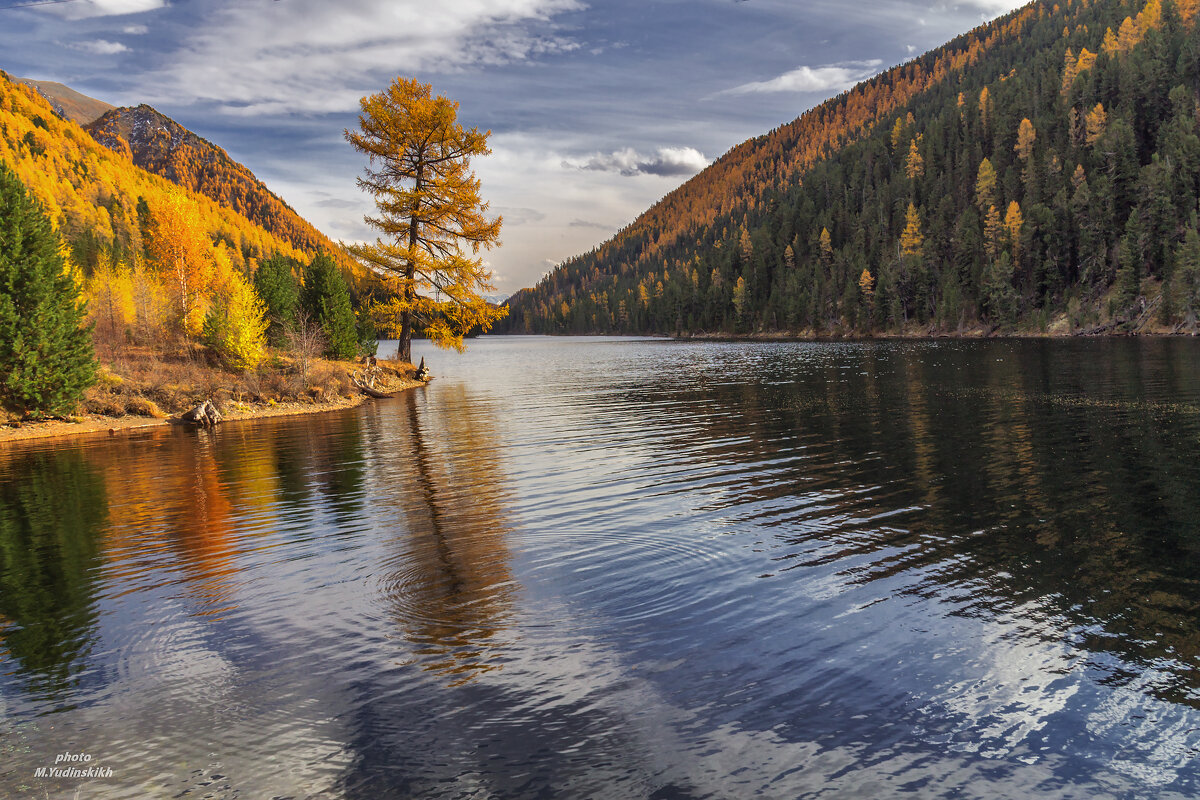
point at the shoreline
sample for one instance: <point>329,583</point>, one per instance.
<point>87,425</point>
<point>776,336</point>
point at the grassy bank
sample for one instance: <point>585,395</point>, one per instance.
<point>142,388</point>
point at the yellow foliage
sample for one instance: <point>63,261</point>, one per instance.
<point>866,285</point>
<point>1070,70</point>
<point>1075,66</point>
<point>1026,135</point>
<point>1128,36</point>
<point>223,270</point>
<point>985,107</point>
<point>739,297</point>
<point>237,324</point>
<point>1095,123</point>
<point>429,210</point>
<point>985,185</point>
<point>912,241</point>
<point>1151,17</point>
<point>915,166</point>
<point>184,258</point>
<point>84,187</point>
<point>1078,177</point>
<point>1110,46</point>
<point>993,231</point>
<point>1013,220</point>
<point>826,246</point>
<point>110,296</point>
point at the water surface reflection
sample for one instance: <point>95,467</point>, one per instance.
<point>619,568</point>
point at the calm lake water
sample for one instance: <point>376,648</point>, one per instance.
<point>614,568</point>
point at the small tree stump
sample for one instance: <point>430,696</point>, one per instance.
<point>205,415</point>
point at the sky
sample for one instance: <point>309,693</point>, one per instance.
<point>596,109</point>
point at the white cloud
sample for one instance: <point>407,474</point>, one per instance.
<point>311,56</point>
<point>993,8</point>
<point>813,79</point>
<point>86,9</point>
<point>518,216</point>
<point>627,161</point>
<point>99,47</point>
<point>136,30</point>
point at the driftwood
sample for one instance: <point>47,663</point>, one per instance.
<point>364,379</point>
<point>205,415</point>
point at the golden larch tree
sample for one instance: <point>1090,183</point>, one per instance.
<point>993,232</point>
<point>1013,220</point>
<point>985,185</point>
<point>1070,70</point>
<point>866,286</point>
<point>745,247</point>
<point>1025,139</point>
<point>912,241</point>
<point>1128,36</point>
<point>1095,124</point>
<point>429,212</point>
<point>1110,46</point>
<point>985,108</point>
<point>1026,135</point>
<point>915,166</point>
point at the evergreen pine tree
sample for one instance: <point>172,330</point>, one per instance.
<point>46,356</point>
<point>327,300</point>
<point>275,281</point>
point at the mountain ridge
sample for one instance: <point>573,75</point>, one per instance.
<point>777,234</point>
<point>162,146</point>
<point>68,103</point>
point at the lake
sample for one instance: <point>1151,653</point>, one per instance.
<point>623,568</point>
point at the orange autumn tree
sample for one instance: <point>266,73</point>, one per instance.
<point>429,212</point>
<point>182,252</point>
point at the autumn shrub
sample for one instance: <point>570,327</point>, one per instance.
<point>329,381</point>
<point>236,325</point>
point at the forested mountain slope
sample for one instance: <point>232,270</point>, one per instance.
<point>1041,171</point>
<point>99,201</point>
<point>159,144</point>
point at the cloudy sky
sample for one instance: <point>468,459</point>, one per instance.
<point>597,107</point>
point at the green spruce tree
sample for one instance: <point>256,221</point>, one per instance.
<point>326,298</point>
<point>275,281</point>
<point>46,355</point>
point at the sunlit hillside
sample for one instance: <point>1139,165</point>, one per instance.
<point>92,194</point>
<point>161,145</point>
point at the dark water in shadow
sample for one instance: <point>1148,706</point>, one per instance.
<point>619,568</point>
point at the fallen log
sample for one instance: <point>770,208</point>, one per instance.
<point>1105,328</point>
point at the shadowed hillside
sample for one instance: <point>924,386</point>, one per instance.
<point>1039,173</point>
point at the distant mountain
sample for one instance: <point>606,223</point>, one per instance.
<point>68,103</point>
<point>159,144</point>
<point>1041,172</point>
<point>100,201</point>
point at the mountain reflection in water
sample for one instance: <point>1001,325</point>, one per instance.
<point>623,568</point>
